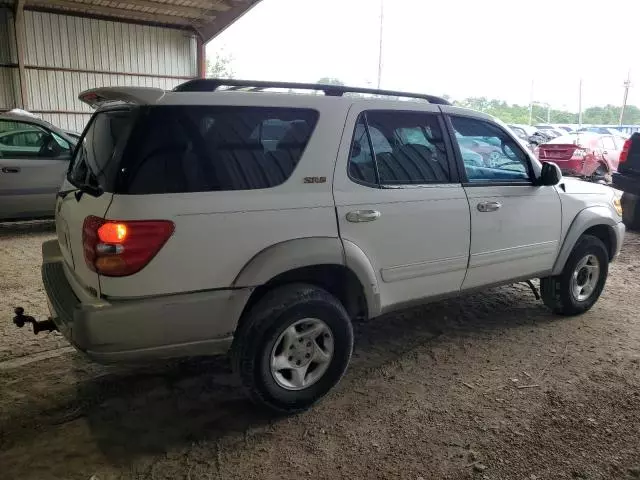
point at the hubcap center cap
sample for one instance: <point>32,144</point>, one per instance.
<point>583,276</point>
<point>301,353</point>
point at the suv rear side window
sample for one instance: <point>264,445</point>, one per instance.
<point>408,148</point>
<point>211,148</point>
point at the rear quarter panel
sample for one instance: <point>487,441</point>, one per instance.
<point>217,233</point>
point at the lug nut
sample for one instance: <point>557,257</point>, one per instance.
<point>290,358</point>
<point>308,344</point>
<point>308,355</point>
<point>298,362</point>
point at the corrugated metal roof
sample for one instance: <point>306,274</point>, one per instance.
<point>208,17</point>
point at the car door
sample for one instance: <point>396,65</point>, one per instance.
<point>515,224</point>
<point>399,200</point>
<point>33,161</point>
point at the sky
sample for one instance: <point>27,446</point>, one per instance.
<point>462,48</point>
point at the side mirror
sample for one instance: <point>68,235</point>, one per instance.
<point>550,174</point>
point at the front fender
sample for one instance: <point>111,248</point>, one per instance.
<point>583,221</point>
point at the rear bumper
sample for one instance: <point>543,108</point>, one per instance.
<point>191,324</point>
<point>627,182</point>
<point>571,167</point>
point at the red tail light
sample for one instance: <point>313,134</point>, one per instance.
<point>120,248</point>
<point>625,151</point>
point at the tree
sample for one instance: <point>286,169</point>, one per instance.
<point>221,66</point>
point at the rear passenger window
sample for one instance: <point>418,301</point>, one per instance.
<point>402,148</point>
<point>200,148</point>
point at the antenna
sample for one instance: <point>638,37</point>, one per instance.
<point>627,85</point>
<point>380,45</point>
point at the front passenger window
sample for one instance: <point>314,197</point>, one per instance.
<point>489,154</point>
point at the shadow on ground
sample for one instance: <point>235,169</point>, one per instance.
<point>152,409</point>
<point>12,229</point>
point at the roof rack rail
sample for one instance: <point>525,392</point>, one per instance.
<point>213,84</point>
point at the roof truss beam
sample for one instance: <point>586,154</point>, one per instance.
<point>223,19</point>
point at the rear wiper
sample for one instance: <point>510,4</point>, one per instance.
<point>93,191</point>
<point>64,193</point>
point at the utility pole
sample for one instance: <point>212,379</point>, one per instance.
<point>627,85</point>
<point>380,45</point>
<point>531,105</point>
<point>548,113</point>
<point>580,105</point>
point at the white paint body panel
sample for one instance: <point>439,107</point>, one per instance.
<point>419,246</point>
<point>578,195</point>
<point>70,215</point>
<point>521,238</point>
<point>218,233</point>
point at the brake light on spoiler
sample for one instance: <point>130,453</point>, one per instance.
<point>116,248</point>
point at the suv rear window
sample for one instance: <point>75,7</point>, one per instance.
<point>97,155</point>
<point>176,149</point>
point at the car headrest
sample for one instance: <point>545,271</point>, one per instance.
<point>296,136</point>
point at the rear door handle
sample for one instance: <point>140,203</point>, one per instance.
<point>360,216</point>
<point>489,206</point>
<point>10,170</point>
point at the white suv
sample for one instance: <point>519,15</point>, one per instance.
<point>224,216</point>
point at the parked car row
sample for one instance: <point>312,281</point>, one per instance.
<point>591,153</point>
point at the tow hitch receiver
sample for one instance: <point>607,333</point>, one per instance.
<point>38,326</point>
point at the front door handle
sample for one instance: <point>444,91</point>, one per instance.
<point>489,206</point>
<point>10,170</point>
<point>359,216</point>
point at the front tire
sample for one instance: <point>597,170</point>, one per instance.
<point>582,280</point>
<point>292,347</point>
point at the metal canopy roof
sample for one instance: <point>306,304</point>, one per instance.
<point>207,17</point>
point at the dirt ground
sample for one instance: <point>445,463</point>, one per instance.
<point>487,387</point>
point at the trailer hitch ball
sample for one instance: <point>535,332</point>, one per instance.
<point>43,326</point>
<point>20,319</point>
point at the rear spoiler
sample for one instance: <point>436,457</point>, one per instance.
<point>97,97</point>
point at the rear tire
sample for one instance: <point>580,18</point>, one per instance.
<point>574,291</point>
<point>292,347</point>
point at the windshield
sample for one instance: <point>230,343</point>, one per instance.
<point>96,159</point>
